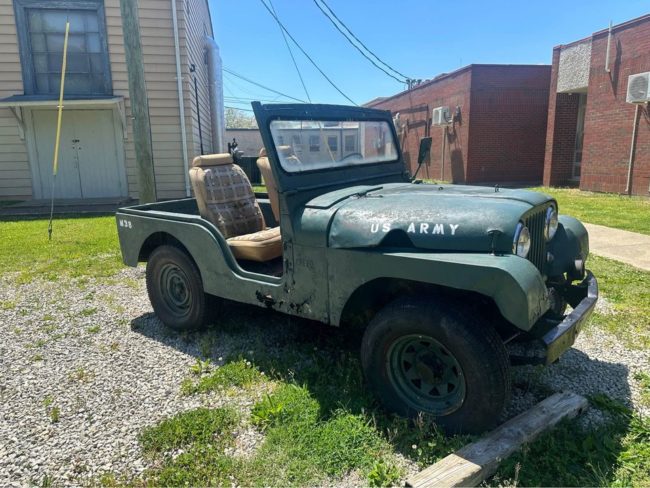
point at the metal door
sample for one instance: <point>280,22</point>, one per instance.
<point>67,183</point>
<point>96,147</point>
<point>90,165</point>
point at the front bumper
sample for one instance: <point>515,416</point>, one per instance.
<point>563,335</point>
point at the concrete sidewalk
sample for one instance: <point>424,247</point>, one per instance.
<point>629,247</point>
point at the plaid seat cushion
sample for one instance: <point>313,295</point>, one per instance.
<point>225,197</point>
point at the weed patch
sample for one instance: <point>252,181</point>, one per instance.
<point>240,373</point>
<point>201,426</point>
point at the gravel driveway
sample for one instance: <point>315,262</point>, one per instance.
<point>85,365</point>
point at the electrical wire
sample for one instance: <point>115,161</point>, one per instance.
<point>262,86</point>
<point>305,53</point>
<point>248,100</point>
<point>295,64</point>
<point>405,78</point>
<point>237,108</point>
<point>357,47</point>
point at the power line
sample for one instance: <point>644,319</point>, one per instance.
<point>248,100</point>
<point>305,53</point>
<point>230,80</point>
<point>406,78</point>
<point>262,86</point>
<point>355,46</point>
<point>236,108</point>
<point>284,36</point>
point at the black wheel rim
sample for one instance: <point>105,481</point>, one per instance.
<point>426,375</point>
<point>175,290</point>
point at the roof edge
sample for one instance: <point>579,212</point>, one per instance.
<point>622,25</point>
<point>451,74</point>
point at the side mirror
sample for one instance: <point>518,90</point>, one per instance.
<point>423,154</point>
<point>425,150</point>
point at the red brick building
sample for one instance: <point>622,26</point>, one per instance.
<point>589,140</point>
<point>499,124</point>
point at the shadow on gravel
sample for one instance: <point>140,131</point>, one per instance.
<point>325,360</point>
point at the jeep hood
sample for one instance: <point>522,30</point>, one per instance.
<point>435,217</point>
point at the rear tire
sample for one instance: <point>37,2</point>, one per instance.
<point>422,356</point>
<point>175,290</point>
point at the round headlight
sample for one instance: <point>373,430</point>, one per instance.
<point>521,242</point>
<point>551,223</point>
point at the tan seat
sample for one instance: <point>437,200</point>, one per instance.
<point>269,180</point>
<point>225,197</point>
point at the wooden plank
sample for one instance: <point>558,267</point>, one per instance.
<point>478,460</point>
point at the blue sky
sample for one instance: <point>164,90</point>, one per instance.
<point>420,38</point>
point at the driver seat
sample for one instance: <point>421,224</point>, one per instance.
<point>269,180</point>
<point>225,198</point>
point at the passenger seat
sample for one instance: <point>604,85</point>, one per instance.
<point>269,180</point>
<point>225,198</point>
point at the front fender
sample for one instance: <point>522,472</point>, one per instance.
<point>571,242</point>
<point>514,283</point>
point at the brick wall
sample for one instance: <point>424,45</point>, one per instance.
<point>500,134</point>
<point>415,107</point>
<point>609,119</point>
<point>508,123</point>
<point>560,132</point>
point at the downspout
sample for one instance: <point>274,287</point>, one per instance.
<point>630,161</point>
<point>609,43</point>
<point>215,89</point>
<point>181,101</point>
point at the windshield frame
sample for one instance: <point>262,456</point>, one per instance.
<point>334,167</point>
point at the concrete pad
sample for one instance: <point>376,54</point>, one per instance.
<point>628,247</point>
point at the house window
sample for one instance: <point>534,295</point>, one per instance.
<point>280,140</point>
<point>350,143</point>
<point>333,143</point>
<point>314,144</point>
<point>41,30</point>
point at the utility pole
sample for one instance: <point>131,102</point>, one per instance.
<point>139,101</point>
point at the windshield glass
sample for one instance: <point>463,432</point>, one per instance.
<point>305,145</point>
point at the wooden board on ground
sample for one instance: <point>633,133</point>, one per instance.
<point>478,460</point>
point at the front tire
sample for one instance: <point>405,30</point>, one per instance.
<point>175,289</point>
<point>422,356</point>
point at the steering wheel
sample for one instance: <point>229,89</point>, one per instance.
<point>353,155</point>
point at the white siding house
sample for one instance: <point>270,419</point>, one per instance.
<point>97,157</point>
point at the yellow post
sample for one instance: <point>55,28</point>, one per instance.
<point>55,164</point>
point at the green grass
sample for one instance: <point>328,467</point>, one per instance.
<point>627,290</point>
<point>609,209</point>
<point>300,448</point>
<point>644,382</point>
<point>79,247</point>
<point>200,426</point>
<point>239,373</point>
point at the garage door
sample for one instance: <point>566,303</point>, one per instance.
<point>90,158</point>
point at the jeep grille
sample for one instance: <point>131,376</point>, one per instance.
<point>535,223</point>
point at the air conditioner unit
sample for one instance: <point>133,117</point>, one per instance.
<point>441,116</point>
<point>638,88</point>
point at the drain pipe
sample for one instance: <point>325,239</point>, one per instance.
<point>630,161</point>
<point>181,101</point>
<point>215,89</point>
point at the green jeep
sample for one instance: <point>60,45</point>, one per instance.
<point>442,277</point>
